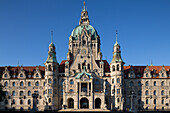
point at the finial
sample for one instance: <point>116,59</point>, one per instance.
<point>18,64</point>
<point>84,5</point>
<point>51,36</point>
<point>151,63</point>
<point>116,35</point>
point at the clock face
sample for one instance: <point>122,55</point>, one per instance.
<point>83,51</point>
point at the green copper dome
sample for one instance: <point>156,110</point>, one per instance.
<point>78,30</point>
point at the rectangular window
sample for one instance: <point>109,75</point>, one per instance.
<point>118,91</point>
<point>49,91</point>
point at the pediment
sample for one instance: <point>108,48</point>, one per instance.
<point>84,77</point>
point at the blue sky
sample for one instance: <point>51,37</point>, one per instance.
<point>143,29</point>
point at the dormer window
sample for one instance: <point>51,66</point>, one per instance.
<point>146,74</point>
<point>37,75</point>
<point>162,74</point>
<point>5,75</point>
<point>29,76</point>
<point>21,75</point>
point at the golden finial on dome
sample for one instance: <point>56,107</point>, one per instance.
<point>84,5</point>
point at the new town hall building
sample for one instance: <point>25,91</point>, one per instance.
<point>85,80</point>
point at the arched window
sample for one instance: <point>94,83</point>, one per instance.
<point>117,67</point>
<point>162,83</point>
<point>146,101</point>
<point>139,83</point>
<point>162,92</point>
<point>6,84</point>
<point>49,81</point>
<point>21,83</point>
<point>6,102</point>
<point>131,83</point>
<point>146,74</point>
<point>162,74</point>
<point>37,75</point>
<point>88,66</point>
<point>6,93</point>
<point>21,75</point>
<point>29,83</point>
<point>78,66</point>
<point>162,101</point>
<point>21,101</point>
<point>5,75</point>
<point>118,80</point>
<point>44,83</point>
<point>113,68</point>
<point>13,101</point>
<point>154,92</point>
<point>29,93</point>
<point>154,101</point>
<point>71,82</point>
<point>118,100</point>
<point>71,90</point>
<point>29,101</point>
<point>37,83</point>
<point>154,83</point>
<point>113,81</point>
<point>13,93</point>
<point>49,68</point>
<point>146,83</point>
<point>146,92</point>
<point>21,93</point>
<point>13,83</point>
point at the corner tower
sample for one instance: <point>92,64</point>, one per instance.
<point>51,78</point>
<point>116,68</point>
<point>84,36</point>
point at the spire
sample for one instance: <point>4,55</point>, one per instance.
<point>51,36</point>
<point>51,52</point>
<point>84,20</point>
<point>84,6</point>
<point>51,44</point>
<point>116,39</point>
<point>116,35</point>
<point>116,52</point>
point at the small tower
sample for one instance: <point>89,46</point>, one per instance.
<point>116,68</point>
<point>51,78</point>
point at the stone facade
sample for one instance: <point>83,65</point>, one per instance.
<point>85,81</point>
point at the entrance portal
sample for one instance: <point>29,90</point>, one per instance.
<point>70,103</point>
<point>84,103</point>
<point>97,103</point>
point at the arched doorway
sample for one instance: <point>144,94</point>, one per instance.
<point>70,103</point>
<point>84,103</point>
<point>97,102</point>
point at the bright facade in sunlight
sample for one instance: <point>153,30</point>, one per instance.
<point>85,80</point>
